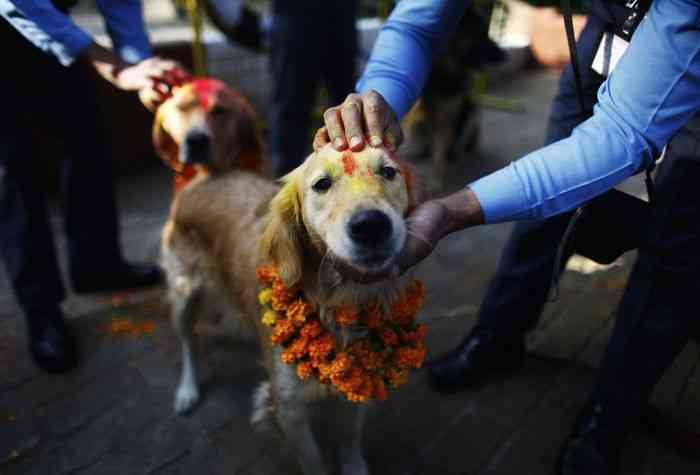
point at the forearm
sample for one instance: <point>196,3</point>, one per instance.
<point>402,55</point>
<point>462,210</point>
<point>654,90</point>
<point>107,64</point>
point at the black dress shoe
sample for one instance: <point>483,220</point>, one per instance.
<point>593,447</point>
<point>51,343</point>
<point>121,276</point>
<point>482,354</point>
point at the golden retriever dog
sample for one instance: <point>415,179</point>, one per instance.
<point>206,128</point>
<point>338,215</point>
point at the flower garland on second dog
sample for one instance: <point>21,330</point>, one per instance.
<point>364,370</point>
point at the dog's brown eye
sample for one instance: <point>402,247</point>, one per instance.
<point>217,111</point>
<point>322,185</point>
<point>388,172</point>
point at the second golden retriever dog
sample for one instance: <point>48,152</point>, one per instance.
<point>206,128</point>
<point>337,215</point>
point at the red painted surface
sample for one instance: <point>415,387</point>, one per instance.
<point>349,163</point>
<point>206,89</point>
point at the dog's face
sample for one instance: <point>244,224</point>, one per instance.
<point>206,124</point>
<point>349,205</point>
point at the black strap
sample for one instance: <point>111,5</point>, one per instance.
<point>573,52</point>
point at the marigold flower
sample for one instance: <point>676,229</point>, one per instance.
<point>361,372</point>
<point>362,394</point>
<point>265,296</point>
<point>283,331</point>
<point>410,357</point>
<point>305,370</point>
<point>408,336</point>
<point>396,377</point>
<point>267,274</point>
<point>341,364</point>
<point>374,317</point>
<point>299,347</point>
<point>311,329</point>
<point>346,316</point>
<point>321,347</point>
<point>379,389</point>
<point>299,310</point>
<point>282,296</point>
<point>269,318</point>
<point>350,380</point>
<point>388,337</point>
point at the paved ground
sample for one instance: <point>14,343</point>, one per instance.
<point>113,415</point>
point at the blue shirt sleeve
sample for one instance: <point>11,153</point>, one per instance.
<point>42,15</point>
<point>402,55</point>
<point>125,26</point>
<point>651,94</point>
<point>123,19</point>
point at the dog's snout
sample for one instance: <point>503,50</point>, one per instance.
<point>197,147</point>
<point>369,226</point>
<point>197,140</point>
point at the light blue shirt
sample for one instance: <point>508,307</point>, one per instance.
<point>49,29</point>
<point>651,94</point>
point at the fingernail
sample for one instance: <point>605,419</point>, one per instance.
<point>375,141</point>
<point>355,141</point>
<point>339,142</point>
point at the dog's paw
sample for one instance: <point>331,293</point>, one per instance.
<point>186,398</point>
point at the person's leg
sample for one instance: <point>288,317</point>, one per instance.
<point>519,289</point>
<point>655,318</point>
<point>26,244</point>
<point>89,204</point>
<point>294,64</point>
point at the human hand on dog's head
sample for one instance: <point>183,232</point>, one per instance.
<point>360,119</point>
<point>154,79</point>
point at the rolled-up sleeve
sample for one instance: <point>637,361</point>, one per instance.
<point>652,93</point>
<point>402,55</point>
<point>125,26</point>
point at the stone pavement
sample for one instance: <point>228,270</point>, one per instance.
<point>113,415</point>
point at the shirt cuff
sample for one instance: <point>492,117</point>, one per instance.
<point>501,196</point>
<point>392,92</point>
<point>75,42</point>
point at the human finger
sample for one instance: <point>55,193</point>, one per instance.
<point>352,117</point>
<point>334,128</point>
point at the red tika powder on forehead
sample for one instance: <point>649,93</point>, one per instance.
<point>349,162</point>
<point>206,89</point>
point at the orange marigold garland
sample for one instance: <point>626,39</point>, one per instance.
<point>368,368</point>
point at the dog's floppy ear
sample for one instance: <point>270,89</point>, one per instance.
<point>163,143</point>
<point>280,243</point>
<point>249,136</point>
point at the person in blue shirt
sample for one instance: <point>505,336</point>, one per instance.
<point>649,101</point>
<point>48,85</point>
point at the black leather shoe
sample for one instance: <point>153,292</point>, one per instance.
<point>592,448</point>
<point>52,344</point>
<point>121,276</point>
<point>482,354</point>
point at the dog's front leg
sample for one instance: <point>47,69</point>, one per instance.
<point>350,421</point>
<point>184,303</point>
<point>292,415</point>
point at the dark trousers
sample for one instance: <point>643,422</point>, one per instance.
<point>312,43</point>
<point>42,96</point>
<point>654,319</point>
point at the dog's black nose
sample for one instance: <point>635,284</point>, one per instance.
<point>196,147</point>
<point>369,226</point>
